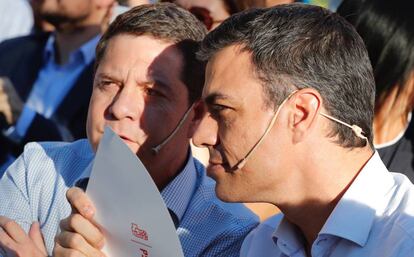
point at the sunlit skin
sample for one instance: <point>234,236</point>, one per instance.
<point>237,117</point>
<point>140,95</point>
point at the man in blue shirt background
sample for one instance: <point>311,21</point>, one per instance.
<point>46,79</point>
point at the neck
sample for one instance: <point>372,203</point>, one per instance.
<point>390,116</point>
<point>68,41</point>
<point>164,167</point>
<point>73,34</point>
<point>323,183</point>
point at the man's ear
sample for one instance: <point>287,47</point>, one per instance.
<point>306,104</point>
<point>199,111</point>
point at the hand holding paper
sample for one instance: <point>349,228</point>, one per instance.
<point>129,208</point>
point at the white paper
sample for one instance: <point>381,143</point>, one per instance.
<point>129,206</point>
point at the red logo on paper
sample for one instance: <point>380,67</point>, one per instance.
<point>144,253</point>
<point>139,233</point>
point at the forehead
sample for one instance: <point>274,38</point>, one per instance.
<point>141,51</point>
<point>142,58</point>
<point>230,75</point>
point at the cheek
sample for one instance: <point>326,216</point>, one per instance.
<point>235,141</point>
<point>95,121</point>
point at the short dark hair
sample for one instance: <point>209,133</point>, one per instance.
<point>170,23</point>
<point>387,28</point>
<point>303,46</point>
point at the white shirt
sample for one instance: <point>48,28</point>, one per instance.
<point>375,217</point>
<point>16,18</point>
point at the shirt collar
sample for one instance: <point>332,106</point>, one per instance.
<point>287,238</point>
<point>183,185</point>
<point>86,51</point>
<point>354,215</point>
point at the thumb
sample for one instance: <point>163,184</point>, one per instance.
<point>36,235</point>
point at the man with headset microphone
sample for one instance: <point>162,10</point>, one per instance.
<point>146,83</point>
<point>289,95</point>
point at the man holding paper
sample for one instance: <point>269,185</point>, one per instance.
<point>146,83</point>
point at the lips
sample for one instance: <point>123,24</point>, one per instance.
<point>125,138</point>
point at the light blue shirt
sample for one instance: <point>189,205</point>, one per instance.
<point>34,187</point>
<point>52,85</point>
<point>375,217</point>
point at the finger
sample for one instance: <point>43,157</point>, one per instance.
<point>7,243</point>
<point>1,84</point>
<point>5,109</point>
<point>75,241</point>
<point>36,235</point>
<point>7,84</point>
<point>80,202</point>
<point>13,229</point>
<point>60,251</point>
<point>79,224</point>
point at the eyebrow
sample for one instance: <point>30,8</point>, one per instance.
<point>213,97</point>
<point>104,75</point>
<point>160,84</point>
<point>149,81</point>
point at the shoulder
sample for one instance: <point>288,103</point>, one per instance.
<point>206,198</point>
<point>77,149</point>
<point>48,159</point>
<point>397,221</point>
<point>212,227</point>
<point>21,51</point>
<point>21,42</point>
<point>259,242</point>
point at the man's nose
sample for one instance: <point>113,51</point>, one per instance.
<point>128,103</point>
<point>207,132</point>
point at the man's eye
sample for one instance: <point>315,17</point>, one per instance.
<point>217,109</point>
<point>106,83</point>
<point>152,92</point>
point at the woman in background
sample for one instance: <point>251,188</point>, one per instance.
<point>387,27</point>
<point>214,12</point>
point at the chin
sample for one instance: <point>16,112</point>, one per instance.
<point>226,195</point>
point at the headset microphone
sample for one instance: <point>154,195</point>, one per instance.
<point>355,128</point>
<point>240,164</point>
<point>156,149</point>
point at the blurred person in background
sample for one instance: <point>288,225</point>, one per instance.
<point>270,3</point>
<point>40,23</point>
<point>214,12</point>
<point>16,18</point>
<point>133,3</point>
<point>331,4</point>
<point>46,78</point>
<point>387,28</point>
